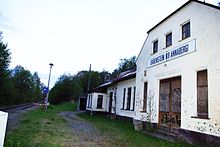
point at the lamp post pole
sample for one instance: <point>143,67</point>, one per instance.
<point>51,64</point>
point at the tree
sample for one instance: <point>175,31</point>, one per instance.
<point>5,84</point>
<point>124,65</point>
<point>23,84</point>
<point>69,87</point>
<point>219,4</point>
<point>37,87</point>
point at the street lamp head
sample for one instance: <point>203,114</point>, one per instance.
<point>51,64</point>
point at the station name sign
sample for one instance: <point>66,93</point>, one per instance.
<point>181,50</point>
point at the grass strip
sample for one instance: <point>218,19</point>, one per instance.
<point>123,133</point>
<point>41,128</point>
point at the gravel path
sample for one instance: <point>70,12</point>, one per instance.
<point>88,135</point>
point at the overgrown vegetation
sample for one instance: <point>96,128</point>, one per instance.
<point>123,134</point>
<point>41,128</point>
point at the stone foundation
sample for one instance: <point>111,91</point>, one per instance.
<point>138,125</point>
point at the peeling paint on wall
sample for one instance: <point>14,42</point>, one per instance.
<point>205,127</point>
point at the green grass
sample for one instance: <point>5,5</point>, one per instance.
<point>41,128</point>
<point>123,134</point>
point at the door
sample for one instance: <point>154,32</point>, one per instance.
<point>170,104</point>
<point>83,103</point>
<point>110,102</point>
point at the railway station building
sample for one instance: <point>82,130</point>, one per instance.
<point>176,86</point>
<point>178,73</point>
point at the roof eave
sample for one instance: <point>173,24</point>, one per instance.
<point>197,1</point>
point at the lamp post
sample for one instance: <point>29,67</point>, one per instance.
<point>51,64</point>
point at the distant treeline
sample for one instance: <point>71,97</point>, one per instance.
<point>17,85</point>
<point>70,87</point>
<point>20,86</point>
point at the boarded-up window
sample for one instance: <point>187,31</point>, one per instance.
<point>123,103</point>
<point>99,101</point>
<point>145,97</point>
<point>202,94</point>
<point>129,98</point>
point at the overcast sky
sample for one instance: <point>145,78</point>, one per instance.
<point>72,34</point>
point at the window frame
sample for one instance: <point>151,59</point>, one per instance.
<point>128,104</point>
<point>155,47</point>
<point>134,92</point>
<point>186,30</point>
<point>123,102</point>
<point>100,104</point>
<point>200,114</point>
<point>168,41</point>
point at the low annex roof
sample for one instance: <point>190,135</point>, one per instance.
<point>130,74</point>
<point>197,1</point>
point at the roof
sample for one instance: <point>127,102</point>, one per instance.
<point>197,1</point>
<point>130,74</point>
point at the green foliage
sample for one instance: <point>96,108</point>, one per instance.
<point>5,84</point>
<point>66,89</point>
<point>69,87</point>
<point>17,85</point>
<point>125,65</point>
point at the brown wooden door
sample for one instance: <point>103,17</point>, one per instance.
<point>170,104</point>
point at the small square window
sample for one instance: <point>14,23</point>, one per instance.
<point>169,39</point>
<point>155,46</point>
<point>186,30</point>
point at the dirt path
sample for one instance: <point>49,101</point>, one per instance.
<point>88,135</point>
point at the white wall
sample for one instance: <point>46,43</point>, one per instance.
<point>205,30</point>
<point>3,123</point>
<point>94,97</point>
<point>119,100</point>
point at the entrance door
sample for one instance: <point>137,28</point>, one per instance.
<point>110,102</point>
<point>170,104</point>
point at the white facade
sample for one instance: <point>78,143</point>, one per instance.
<point>119,98</point>
<point>3,123</point>
<point>93,104</point>
<point>203,54</point>
<point>127,111</point>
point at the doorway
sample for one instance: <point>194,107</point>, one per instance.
<point>110,102</point>
<point>170,104</point>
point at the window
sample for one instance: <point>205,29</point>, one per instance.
<point>134,98</point>
<point>168,39</point>
<point>145,97</point>
<point>99,101</point>
<point>123,104</point>
<point>155,46</point>
<point>186,30</point>
<point>90,101</point>
<point>202,94</point>
<point>129,99</point>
